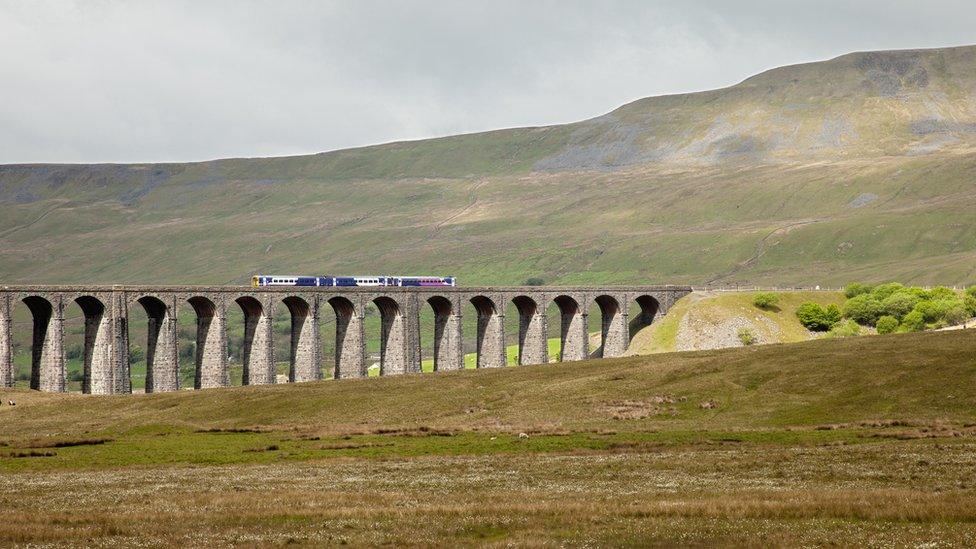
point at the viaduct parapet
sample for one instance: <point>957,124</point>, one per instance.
<point>106,311</point>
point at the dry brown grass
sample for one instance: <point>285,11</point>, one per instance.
<point>878,494</point>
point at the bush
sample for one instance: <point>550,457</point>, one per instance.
<point>832,314</point>
<point>934,311</point>
<point>900,304</point>
<point>136,354</point>
<point>920,293</point>
<point>887,324</point>
<point>971,291</point>
<point>882,292</point>
<point>956,315</point>
<point>765,300</point>
<point>816,318</point>
<point>847,328</point>
<point>855,289</point>
<point>970,305</point>
<point>864,309</point>
<point>746,336</point>
<point>534,281</point>
<point>77,375</point>
<point>913,322</point>
<point>941,292</point>
<point>74,351</point>
<point>188,351</point>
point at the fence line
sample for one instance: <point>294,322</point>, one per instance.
<point>753,288</point>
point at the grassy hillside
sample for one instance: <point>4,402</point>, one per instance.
<point>781,445</point>
<point>861,167</point>
<point>711,320</point>
<point>903,376</point>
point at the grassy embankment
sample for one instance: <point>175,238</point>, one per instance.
<point>869,440</point>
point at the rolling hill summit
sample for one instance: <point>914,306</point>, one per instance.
<point>857,168</point>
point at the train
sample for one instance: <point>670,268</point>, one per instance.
<point>290,280</point>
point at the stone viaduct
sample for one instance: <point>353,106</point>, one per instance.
<point>106,311</point>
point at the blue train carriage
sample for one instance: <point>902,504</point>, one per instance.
<point>426,281</point>
<point>349,281</point>
<point>285,280</point>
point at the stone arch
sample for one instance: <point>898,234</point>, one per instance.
<point>162,353</point>
<point>491,333</point>
<point>350,360</point>
<point>393,359</point>
<point>98,372</point>
<point>211,344</point>
<point>613,330</point>
<point>649,307</point>
<point>47,345</point>
<point>533,346</point>
<point>257,353</point>
<point>573,337</point>
<point>305,363</point>
<point>447,334</point>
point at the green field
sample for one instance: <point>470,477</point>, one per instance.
<point>798,444</point>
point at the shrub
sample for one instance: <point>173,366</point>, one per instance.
<point>900,304</point>
<point>534,281</point>
<point>74,351</point>
<point>816,318</point>
<point>913,322</point>
<point>746,336</point>
<point>76,375</point>
<point>188,351</point>
<point>136,354</point>
<point>848,328</point>
<point>856,288</point>
<point>920,293</point>
<point>832,314</point>
<point>864,309</point>
<point>941,292</point>
<point>956,315</point>
<point>971,291</point>
<point>970,304</point>
<point>765,300</point>
<point>887,324</point>
<point>936,310</point>
<point>882,292</point>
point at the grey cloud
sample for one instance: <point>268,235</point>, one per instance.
<point>158,81</point>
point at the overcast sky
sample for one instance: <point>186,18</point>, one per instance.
<point>104,81</point>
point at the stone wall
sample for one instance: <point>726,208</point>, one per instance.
<point>106,311</point>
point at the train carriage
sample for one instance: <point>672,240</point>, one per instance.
<point>293,280</point>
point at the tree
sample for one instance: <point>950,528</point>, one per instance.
<point>956,315</point>
<point>534,281</point>
<point>847,328</point>
<point>882,292</point>
<point>73,351</point>
<point>970,304</point>
<point>765,300</point>
<point>941,292</point>
<point>136,354</point>
<point>887,324</point>
<point>863,309</point>
<point>832,314</point>
<point>816,318</point>
<point>913,322</point>
<point>900,304</point>
<point>856,288</point>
